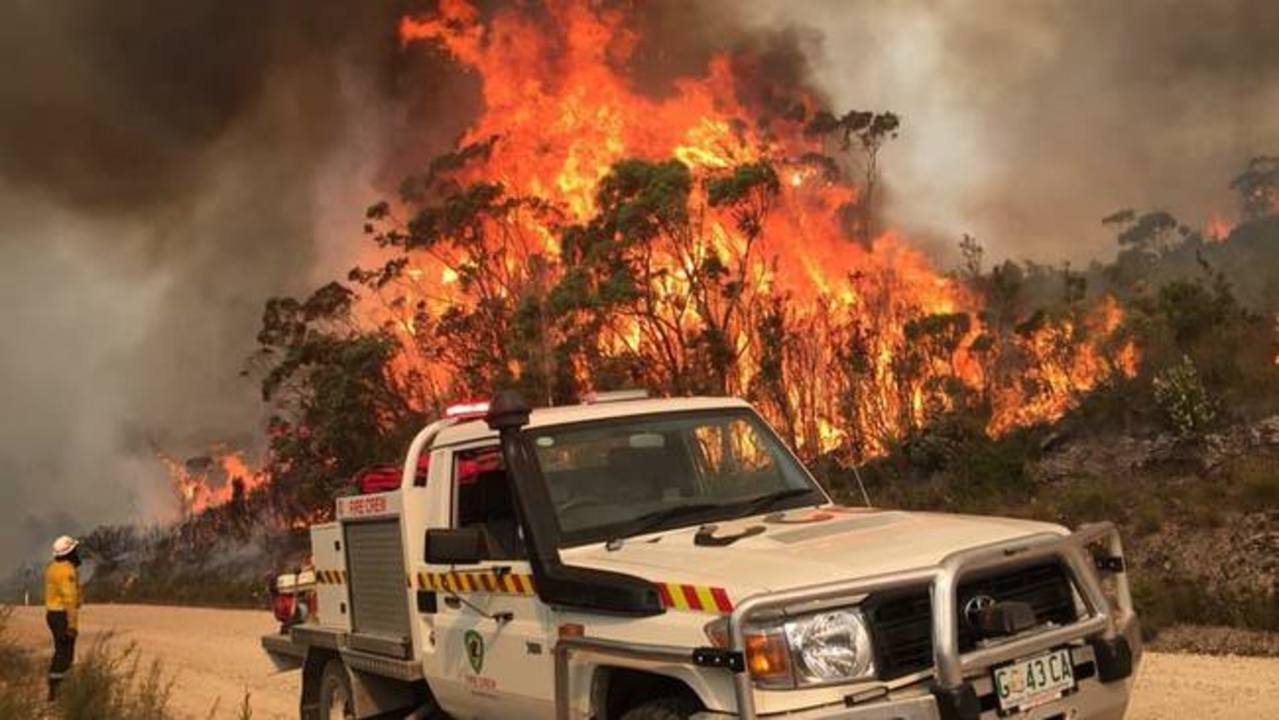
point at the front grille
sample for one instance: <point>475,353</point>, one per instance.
<point>901,622</point>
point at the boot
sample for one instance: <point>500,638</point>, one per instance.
<point>53,688</point>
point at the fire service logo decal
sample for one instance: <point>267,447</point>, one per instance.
<point>474,649</point>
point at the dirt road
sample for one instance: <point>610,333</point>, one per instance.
<point>214,654</point>
<point>216,658</point>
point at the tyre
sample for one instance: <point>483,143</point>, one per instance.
<point>335,693</point>
<point>671,708</point>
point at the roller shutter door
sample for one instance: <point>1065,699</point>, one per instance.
<point>375,567</point>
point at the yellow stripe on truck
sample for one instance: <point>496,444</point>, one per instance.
<point>695,598</point>
<point>704,594</point>
<point>478,582</point>
<point>675,596</point>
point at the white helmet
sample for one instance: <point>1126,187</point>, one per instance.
<point>63,546</point>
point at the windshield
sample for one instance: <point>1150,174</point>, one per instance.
<point>618,477</point>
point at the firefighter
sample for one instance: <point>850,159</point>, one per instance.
<point>62,607</point>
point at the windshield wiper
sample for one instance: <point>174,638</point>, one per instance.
<point>757,505</point>
<point>657,519</point>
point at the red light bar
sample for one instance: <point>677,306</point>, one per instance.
<point>467,410</point>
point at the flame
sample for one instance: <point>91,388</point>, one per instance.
<point>1218,228</point>
<point>1063,370</point>
<point>872,328</point>
<point>212,480</point>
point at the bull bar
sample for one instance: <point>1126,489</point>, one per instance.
<point>950,667</point>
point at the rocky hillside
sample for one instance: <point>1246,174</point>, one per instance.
<point>1200,516</point>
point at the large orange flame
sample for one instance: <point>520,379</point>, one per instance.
<point>873,325</point>
<point>210,480</point>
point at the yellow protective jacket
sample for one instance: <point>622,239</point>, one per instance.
<point>62,591</point>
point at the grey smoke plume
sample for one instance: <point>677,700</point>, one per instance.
<point>166,167</point>
<point>1026,122</point>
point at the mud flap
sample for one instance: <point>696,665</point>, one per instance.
<point>1114,658</point>
<point>376,695</point>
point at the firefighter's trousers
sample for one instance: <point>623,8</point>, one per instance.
<point>63,649</point>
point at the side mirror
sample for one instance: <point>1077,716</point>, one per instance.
<point>450,546</point>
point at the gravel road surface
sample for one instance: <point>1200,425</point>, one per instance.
<point>213,654</point>
<point>216,659</point>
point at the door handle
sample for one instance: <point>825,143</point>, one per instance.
<point>453,601</point>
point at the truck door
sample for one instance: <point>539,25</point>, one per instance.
<point>493,636</point>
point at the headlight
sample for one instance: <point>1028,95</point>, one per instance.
<point>830,647</point>
<point>826,647</point>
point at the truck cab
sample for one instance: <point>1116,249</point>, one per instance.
<point>634,558</point>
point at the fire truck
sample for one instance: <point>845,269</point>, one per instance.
<point>649,559</point>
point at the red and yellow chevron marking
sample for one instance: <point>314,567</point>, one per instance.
<point>677,596</point>
<point>507,583</point>
<point>695,598</point>
<point>330,577</point>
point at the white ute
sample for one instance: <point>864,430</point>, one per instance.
<point>641,559</point>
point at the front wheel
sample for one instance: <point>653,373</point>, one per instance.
<point>335,693</point>
<point>672,708</point>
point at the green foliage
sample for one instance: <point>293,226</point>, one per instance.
<point>340,405</point>
<point>1087,499</point>
<point>639,200</point>
<point>748,191</point>
<point>1181,396</point>
<point>1201,323</point>
<point>1195,312</point>
<point>693,311</point>
<point>645,292</point>
<point>641,292</point>
<point>741,183</point>
<point>1168,599</point>
<point>953,464</point>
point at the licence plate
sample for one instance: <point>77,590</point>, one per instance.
<point>1025,684</point>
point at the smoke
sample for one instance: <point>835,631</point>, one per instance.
<point>164,169</point>
<point>1024,123</point>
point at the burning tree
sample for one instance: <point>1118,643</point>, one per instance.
<point>220,477</point>
<point>718,240</point>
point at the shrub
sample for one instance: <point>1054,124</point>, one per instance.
<point>20,688</point>
<point>246,707</point>
<point>105,684</point>
<point>1181,396</point>
<point>110,684</point>
<point>1089,499</point>
<point>1164,600</point>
